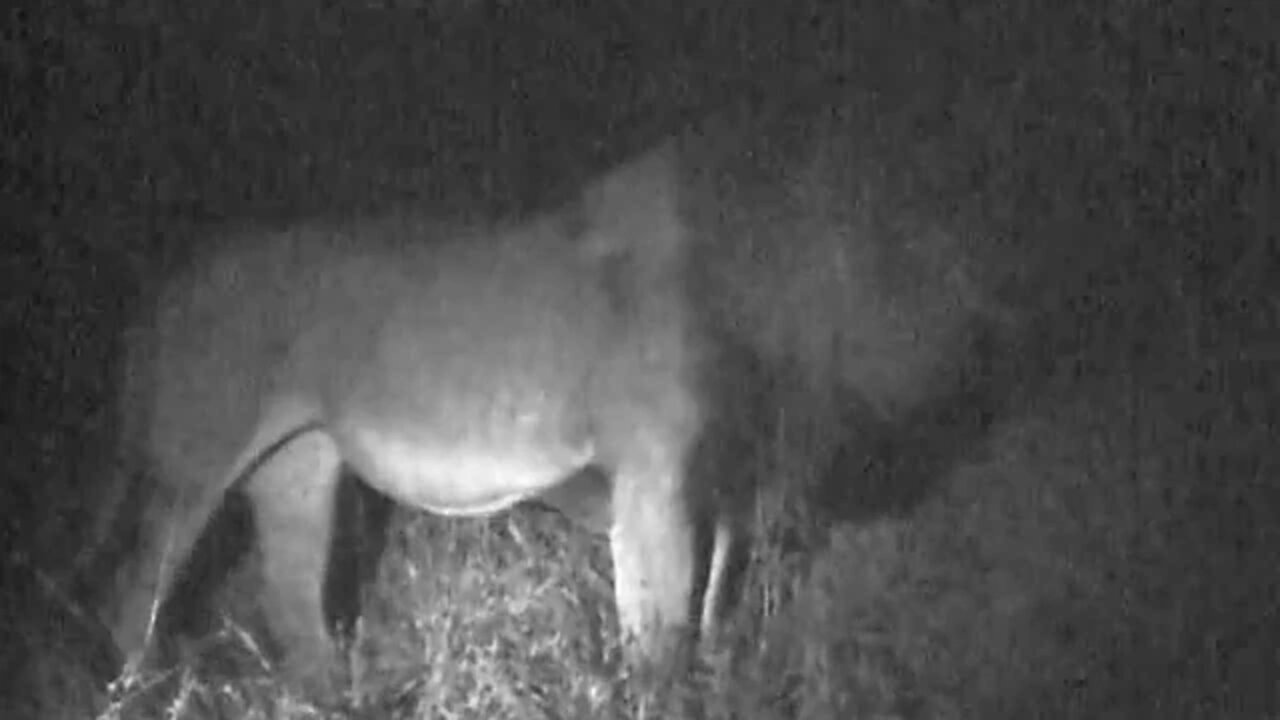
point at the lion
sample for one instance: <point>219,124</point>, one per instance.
<point>462,370</point>
<point>458,370</point>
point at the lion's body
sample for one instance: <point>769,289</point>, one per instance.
<point>457,374</point>
<point>461,372</point>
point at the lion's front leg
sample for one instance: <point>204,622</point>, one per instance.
<point>653,543</point>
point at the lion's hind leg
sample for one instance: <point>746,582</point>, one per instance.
<point>172,520</point>
<point>293,494</point>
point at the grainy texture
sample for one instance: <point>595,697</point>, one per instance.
<point>1085,528</point>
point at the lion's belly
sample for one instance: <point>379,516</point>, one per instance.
<point>473,392</point>
<point>426,470</point>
